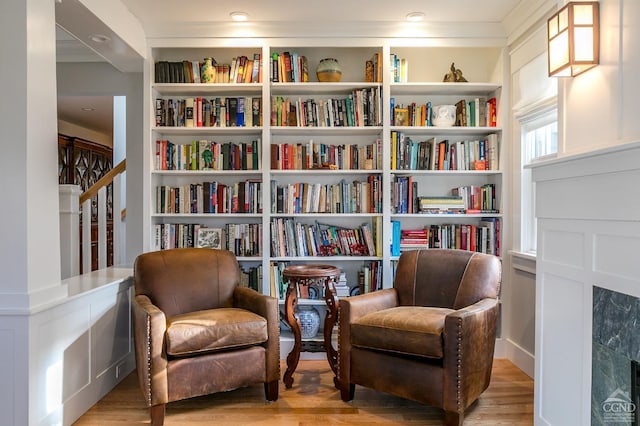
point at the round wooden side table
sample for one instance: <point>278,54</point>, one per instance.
<point>325,276</point>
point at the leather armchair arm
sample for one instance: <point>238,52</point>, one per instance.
<point>469,342</point>
<point>349,310</point>
<point>352,308</point>
<point>266,307</point>
<point>149,327</point>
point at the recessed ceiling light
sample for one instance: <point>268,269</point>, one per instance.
<point>99,38</point>
<point>415,16</point>
<point>239,16</point>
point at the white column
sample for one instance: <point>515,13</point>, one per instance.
<point>70,230</point>
<point>29,219</point>
<point>30,247</point>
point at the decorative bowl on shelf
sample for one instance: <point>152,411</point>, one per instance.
<point>443,115</point>
<point>329,71</point>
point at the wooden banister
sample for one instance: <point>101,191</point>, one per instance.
<point>103,181</point>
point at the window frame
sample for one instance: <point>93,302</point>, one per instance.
<point>531,118</point>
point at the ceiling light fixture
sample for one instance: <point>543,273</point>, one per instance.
<point>99,38</point>
<point>239,16</point>
<point>415,16</point>
<point>88,109</point>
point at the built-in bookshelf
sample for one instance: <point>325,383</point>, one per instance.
<point>349,173</point>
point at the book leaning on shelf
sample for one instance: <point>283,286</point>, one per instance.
<point>315,239</point>
<point>359,196</point>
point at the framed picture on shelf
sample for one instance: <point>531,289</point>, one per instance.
<point>209,238</point>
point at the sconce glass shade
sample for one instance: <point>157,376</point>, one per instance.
<point>573,36</point>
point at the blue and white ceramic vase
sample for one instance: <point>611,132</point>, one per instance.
<point>309,319</point>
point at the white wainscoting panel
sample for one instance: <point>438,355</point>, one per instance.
<point>588,235</point>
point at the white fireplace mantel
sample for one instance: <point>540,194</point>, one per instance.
<point>588,210</point>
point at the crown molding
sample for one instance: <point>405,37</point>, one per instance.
<point>525,16</point>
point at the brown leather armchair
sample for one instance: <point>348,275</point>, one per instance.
<point>197,332</point>
<point>431,337</point>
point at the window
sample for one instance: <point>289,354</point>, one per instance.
<point>539,133</point>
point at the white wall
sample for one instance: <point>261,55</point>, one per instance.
<point>599,107</point>
<point>529,86</point>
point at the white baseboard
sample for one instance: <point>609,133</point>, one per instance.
<point>520,357</point>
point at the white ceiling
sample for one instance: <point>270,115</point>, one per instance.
<point>171,18</point>
<point>160,13</point>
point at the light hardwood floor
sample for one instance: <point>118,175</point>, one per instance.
<point>313,400</point>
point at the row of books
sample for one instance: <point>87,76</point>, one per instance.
<point>209,112</point>
<point>469,199</point>
<point>242,69</point>
<point>293,238</point>
<point>478,199</point>
<point>399,68</point>
<point>276,279</point>
<point>205,154</point>
<point>483,237</point>
<point>243,239</point>
<point>210,197</point>
<point>476,112</point>
<point>359,196</point>
<point>443,154</point>
<point>314,155</point>
<point>289,67</point>
<point>373,69</point>
<point>360,108</point>
<point>370,277</point>
<point>251,277</point>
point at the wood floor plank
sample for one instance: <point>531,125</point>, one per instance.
<point>313,400</point>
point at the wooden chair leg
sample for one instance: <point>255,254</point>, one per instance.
<point>157,414</point>
<point>271,390</point>
<point>452,418</point>
<point>347,391</point>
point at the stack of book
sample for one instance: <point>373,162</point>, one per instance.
<point>411,239</point>
<point>443,204</point>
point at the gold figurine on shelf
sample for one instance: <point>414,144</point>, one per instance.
<point>454,76</point>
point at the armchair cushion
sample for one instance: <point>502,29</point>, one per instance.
<point>214,330</point>
<point>410,330</point>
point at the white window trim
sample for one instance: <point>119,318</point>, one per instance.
<point>532,115</point>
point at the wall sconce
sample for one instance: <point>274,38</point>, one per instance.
<point>573,36</point>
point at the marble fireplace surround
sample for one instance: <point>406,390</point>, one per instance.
<point>616,342</point>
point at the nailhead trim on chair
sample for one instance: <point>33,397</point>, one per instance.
<point>459,348</point>
<point>148,360</point>
<point>459,367</point>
